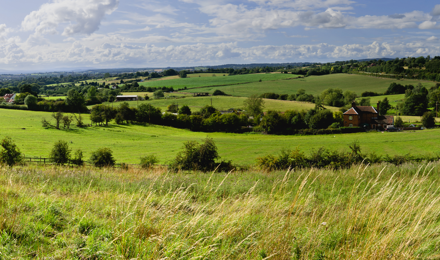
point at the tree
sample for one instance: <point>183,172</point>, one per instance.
<point>428,120</point>
<point>67,120</point>
<point>103,157</point>
<point>78,159</point>
<point>398,122</point>
<point>254,105</point>
<point>218,92</point>
<point>332,97</point>
<point>4,91</point>
<point>173,108</point>
<point>321,120</point>
<point>349,97</point>
<point>58,117</point>
<point>31,101</point>
<point>10,154</point>
<point>60,153</point>
<point>185,110</point>
<point>197,156</point>
<point>158,94</point>
<point>415,105</point>
<point>148,161</point>
<point>75,101</point>
<point>207,111</point>
<point>271,121</point>
<point>183,74</point>
<point>384,106</point>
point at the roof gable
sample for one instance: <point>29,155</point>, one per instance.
<point>351,111</point>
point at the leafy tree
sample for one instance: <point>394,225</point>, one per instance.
<point>349,97</point>
<point>207,111</point>
<point>103,157</point>
<point>158,94</point>
<point>60,153</point>
<point>365,102</point>
<point>183,74</point>
<point>415,105</point>
<point>31,101</point>
<point>75,101</point>
<point>173,108</point>
<point>78,159</point>
<point>254,105</point>
<point>148,161</point>
<point>332,97</point>
<point>4,91</point>
<point>10,154</point>
<point>197,156</point>
<point>398,122</point>
<point>218,92</point>
<point>428,120</point>
<point>384,106</point>
<point>58,117</point>
<point>271,121</point>
<point>185,110</point>
<point>147,113</point>
<point>67,120</point>
<point>321,120</point>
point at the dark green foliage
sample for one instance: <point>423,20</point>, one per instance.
<point>148,161</point>
<point>428,120</point>
<point>158,94</point>
<point>321,120</point>
<point>365,102</point>
<point>103,157</point>
<point>254,105</point>
<point>398,122</point>
<point>270,121</point>
<point>185,110</point>
<point>31,101</point>
<point>207,111</point>
<point>218,92</point>
<point>415,105</point>
<point>197,156</point>
<point>78,158</point>
<point>332,97</point>
<point>60,153</point>
<point>10,154</point>
<point>384,106</point>
<point>183,74</point>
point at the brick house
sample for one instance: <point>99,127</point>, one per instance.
<point>366,117</point>
<point>10,98</point>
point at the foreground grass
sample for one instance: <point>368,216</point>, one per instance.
<point>130,142</point>
<point>379,212</point>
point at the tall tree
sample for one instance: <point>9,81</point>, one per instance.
<point>254,105</point>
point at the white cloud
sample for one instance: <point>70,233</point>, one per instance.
<point>436,10</point>
<point>74,16</point>
<point>158,8</point>
<point>426,25</point>
<point>307,4</point>
<point>432,39</point>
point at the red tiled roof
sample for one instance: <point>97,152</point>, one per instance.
<point>351,111</point>
<point>365,109</point>
<point>384,120</point>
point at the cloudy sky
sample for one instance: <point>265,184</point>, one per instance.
<point>55,34</point>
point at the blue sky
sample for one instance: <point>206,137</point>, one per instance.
<point>54,34</point>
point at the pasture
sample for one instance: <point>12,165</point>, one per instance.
<point>313,85</point>
<point>196,81</point>
<point>130,142</point>
<point>225,103</point>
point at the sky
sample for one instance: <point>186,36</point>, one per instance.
<point>71,34</point>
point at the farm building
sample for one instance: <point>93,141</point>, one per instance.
<point>10,98</point>
<point>202,94</point>
<point>366,117</point>
<point>126,98</point>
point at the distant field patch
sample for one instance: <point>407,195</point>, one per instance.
<point>313,85</point>
<point>209,80</point>
<point>225,103</point>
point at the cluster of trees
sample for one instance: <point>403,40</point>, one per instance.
<point>299,96</point>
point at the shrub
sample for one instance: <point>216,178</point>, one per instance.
<point>398,122</point>
<point>103,157</point>
<point>218,92</point>
<point>158,94</point>
<point>185,110</point>
<point>60,153</point>
<point>428,120</point>
<point>78,159</point>
<point>173,108</point>
<point>148,161</point>
<point>10,154</point>
<point>197,156</point>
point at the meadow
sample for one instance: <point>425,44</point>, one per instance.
<point>313,85</point>
<point>225,103</point>
<point>195,81</point>
<point>375,212</point>
<point>130,142</point>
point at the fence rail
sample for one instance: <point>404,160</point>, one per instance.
<point>44,161</point>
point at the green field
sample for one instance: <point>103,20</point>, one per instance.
<point>313,85</point>
<point>374,212</point>
<point>225,103</point>
<point>193,82</point>
<point>393,99</point>
<point>131,142</point>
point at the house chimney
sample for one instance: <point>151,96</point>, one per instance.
<point>378,107</point>
<point>353,104</point>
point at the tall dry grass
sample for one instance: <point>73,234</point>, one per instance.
<point>377,212</point>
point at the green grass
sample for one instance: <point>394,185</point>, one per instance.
<point>225,103</point>
<point>313,85</point>
<point>130,142</point>
<point>193,82</point>
<point>378,212</point>
<point>393,99</point>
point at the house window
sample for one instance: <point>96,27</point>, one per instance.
<point>350,117</point>
<point>350,125</point>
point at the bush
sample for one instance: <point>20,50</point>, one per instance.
<point>197,156</point>
<point>78,159</point>
<point>218,92</point>
<point>185,110</point>
<point>148,161</point>
<point>60,153</point>
<point>398,122</point>
<point>428,120</point>
<point>10,154</point>
<point>103,157</point>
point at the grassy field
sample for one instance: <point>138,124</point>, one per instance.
<point>225,103</point>
<point>196,81</point>
<point>313,85</point>
<point>393,99</point>
<point>378,212</point>
<point>130,142</point>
